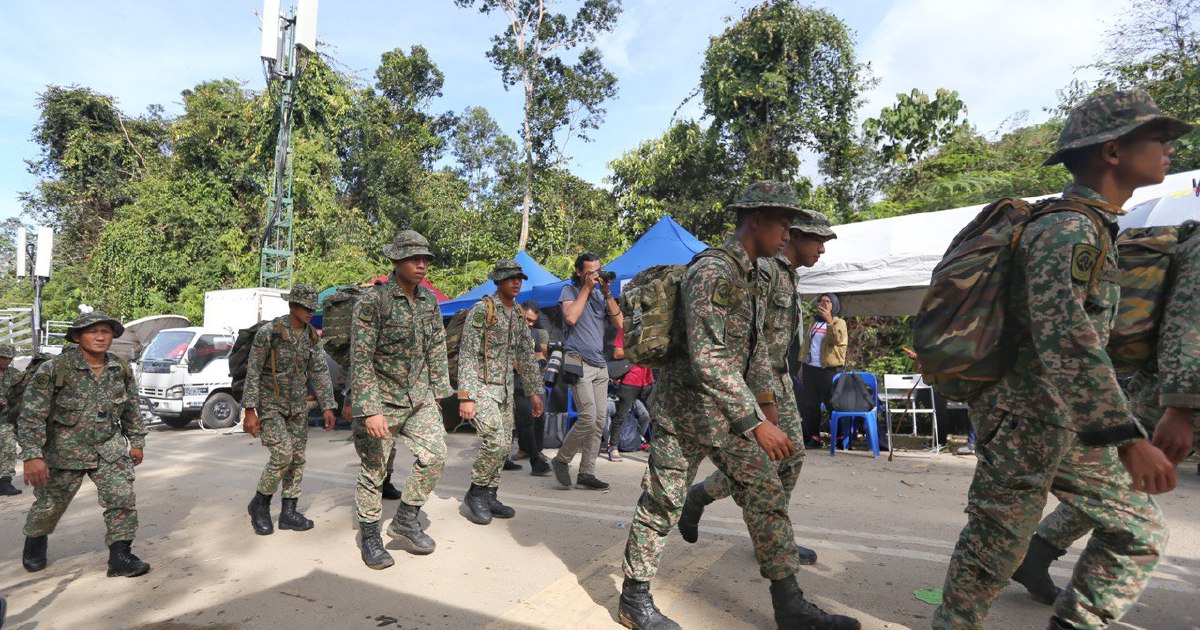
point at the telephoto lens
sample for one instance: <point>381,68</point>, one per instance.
<point>553,365</point>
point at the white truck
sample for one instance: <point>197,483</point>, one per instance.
<point>183,374</point>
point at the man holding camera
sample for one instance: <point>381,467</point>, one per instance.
<point>586,304</point>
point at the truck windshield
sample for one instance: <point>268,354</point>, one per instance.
<point>208,349</point>
<point>168,346</point>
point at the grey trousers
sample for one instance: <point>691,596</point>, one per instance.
<point>591,398</point>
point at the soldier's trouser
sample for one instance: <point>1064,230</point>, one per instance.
<point>286,437</point>
<point>8,450</point>
<point>114,490</point>
<point>494,421</point>
<point>591,400</point>
<point>1020,460</point>
<point>756,489</point>
<point>717,485</point>
<point>423,432</point>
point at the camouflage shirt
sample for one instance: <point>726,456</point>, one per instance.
<point>7,377</point>
<point>282,361</point>
<point>714,389</point>
<point>782,315</point>
<point>73,418</point>
<point>490,349</point>
<point>1063,302</point>
<point>397,349</point>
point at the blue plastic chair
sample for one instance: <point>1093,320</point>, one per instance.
<point>868,418</point>
<point>572,415</point>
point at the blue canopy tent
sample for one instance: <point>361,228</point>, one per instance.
<point>537,275</point>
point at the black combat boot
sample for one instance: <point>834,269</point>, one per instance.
<point>6,487</point>
<point>637,610</point>
<point>498,509</point>
<point>390,492</point>
<point>1059,624</point>
<point>34,556</point>
<point>478,509</point>
<point>260,514</point>
<point>805,555</point>
<point>373,553</point>
<point>290,518</point>
<point>122,562</point>
<point>406,528</point>
<point>1034,572</point>
<point>693,509</point>
<point>793,612</point>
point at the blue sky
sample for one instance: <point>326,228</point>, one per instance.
<point>1004,57</point>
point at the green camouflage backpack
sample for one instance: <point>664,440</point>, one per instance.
<point>1146,256</point>
<point>454,331</point>
<point>959,333</point>
<point>651,330</point>
<point>239,355</point>
<point>337,313</point>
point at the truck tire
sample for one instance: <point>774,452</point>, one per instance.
<point>178,422</point>
<point>220,411</point>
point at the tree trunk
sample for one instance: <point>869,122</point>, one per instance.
<point>527,204</point>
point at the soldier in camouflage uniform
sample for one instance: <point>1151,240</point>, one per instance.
<point>398,371</point>
<point>717,400</point>
<point>1057,421</point>
<point>806,243</point>
<point>494,339</point>
<point>1165,394</point>
<point>80,417</point>
<point>8,438</point>
<point>285,356</point>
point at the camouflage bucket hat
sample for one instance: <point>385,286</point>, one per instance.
<point>767,194</point>
<point>303,295</point>
<point>87,320</point>
<point>505,269</point>
<point>7,351</point>
<point>813,222</point>
<point>407,244</point>
<point>1109,116</point>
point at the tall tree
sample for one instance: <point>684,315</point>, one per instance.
<point>529,53</point>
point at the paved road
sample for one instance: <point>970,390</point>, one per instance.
<point>882,529</point>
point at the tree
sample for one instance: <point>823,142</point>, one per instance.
<point>557,94</point>
<point>487,158</point>
<point>907,131</point>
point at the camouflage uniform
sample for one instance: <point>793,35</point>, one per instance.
<point>282,362</point>
<point>398,358</point>
<point>490,348</point>
<point>81,424</point>
<point>8,438</point>
<point>1053,422</point>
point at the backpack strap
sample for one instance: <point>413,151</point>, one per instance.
<point>1079,206</point>
<point>490,318</point>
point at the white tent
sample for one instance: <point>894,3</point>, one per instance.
<point>882,267</point>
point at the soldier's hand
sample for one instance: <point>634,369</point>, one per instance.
<point>250,423</point>
<point>466,409</point>
<point>774,441</point>
<point>347,412</point>
<point>36,473</point>
<point>1174,434</point>
<point>136,455</point>
<point>377,426</point>
<point>538,406</point>
<point>330,419</point>
<point>771,412</point>
<point>1152,472</point>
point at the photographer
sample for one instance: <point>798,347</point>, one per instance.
<point>586,304</point>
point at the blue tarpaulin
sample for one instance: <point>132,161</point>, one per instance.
<point>537,275</point>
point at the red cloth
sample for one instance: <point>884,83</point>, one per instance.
<point>441,297</point>
<point>637,376</point>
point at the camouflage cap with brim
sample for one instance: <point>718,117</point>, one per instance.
<point>87,320</point>
<point>303,295</point>
<point>407,244</point>
<point>767,195</point>
<point>1109,116</point>
<point>7,351</point>
<point>815,223</point>
<point>505,269</point>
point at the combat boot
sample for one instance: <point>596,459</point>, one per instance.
<point>1059,624</point>
<point>693,509</point>
<point>373,553</point>
<point>34,556</point>
<point>390,492</point>
<point>406,528</point>
<point>637,610</point>
<point>122,562</point>
<point>290,518</point>
<point>478,510</point>
<point>260,514</point>
<point>793,612</point>
<point>6,487</point>
<point>805,555</point>
<point>1034,572</point>
<point>498,509</point>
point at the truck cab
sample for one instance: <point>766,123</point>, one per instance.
<point>183,374</point>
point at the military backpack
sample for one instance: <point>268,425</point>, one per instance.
<point>454,332</point>
<point>337,315</point>
<point>239,355</point>
<point>1146,256</point>
<point>961,331</point>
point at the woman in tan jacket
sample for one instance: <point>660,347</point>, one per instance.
<point>823,354</point>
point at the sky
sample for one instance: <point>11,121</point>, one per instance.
<point>1003,56</point>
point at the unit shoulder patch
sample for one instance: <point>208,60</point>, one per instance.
<point>1085,261</point>
<point>722,292</point>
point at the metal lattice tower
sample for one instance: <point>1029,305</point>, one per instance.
<point>278,258</point>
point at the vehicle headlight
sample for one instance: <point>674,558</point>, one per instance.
<point>175,393</point>
<point>195,390</point>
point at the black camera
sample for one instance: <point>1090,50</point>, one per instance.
<point>553,364</point>
<point>607,276</point>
